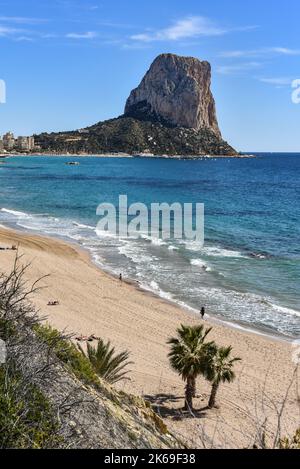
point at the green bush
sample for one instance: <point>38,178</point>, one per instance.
<point>68,353</point>
<point>7,329</point>
<point>26,417</point>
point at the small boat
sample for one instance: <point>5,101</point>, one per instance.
<point>73,163</point>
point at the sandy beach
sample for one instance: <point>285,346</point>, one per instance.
<point>92,301</point>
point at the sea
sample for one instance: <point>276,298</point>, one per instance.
<point>248,271</point>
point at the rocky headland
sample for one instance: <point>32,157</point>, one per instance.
<point>172,112</point>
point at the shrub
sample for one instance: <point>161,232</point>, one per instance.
<point>67,352</point>
<point>26,416</point>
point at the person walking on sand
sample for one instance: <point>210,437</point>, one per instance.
<point>121,277</point>
<point>202,312</point>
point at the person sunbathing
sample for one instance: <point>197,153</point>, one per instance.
<point>53,303</point>
<point>82,338</point>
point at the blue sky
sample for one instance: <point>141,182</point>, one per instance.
<point>71,63</point>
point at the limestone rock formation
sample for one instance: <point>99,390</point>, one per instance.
<point>175,91</point>
<point>171,113</point>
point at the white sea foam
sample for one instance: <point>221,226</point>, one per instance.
<point>249,308</point>
<point>105,234</point>
<point>229,304</point>
<point>98,259</point>
<point>155,241</point>
<point>29,227</point>
<point>212,251</point>
<point>15,213</point>
<point>81,225</point>
<point>200,263</point>
<point>135,254</point>
<point>221,252</point>
<point>191,245</point>
<point>173,248</point>
<point>45,223</point>
<point>154,288</point>
<point>154,285</point>
<point>284,310</point>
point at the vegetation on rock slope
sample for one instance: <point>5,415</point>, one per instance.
<point>132,136</point>
<point>50,395</point>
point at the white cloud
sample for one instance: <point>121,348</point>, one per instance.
<point>190,27</point>
<point>260,52</point>
<point>21,20</point>
<point>277,81</point>
<point>49,36</point>
<point>24,39</point>
<point>87,35</point>
<point>7,31</point>
<point>235,54</point>
<point>231,69</point>
<point>135,46</point>
<point>285,51</point>
<point>12,30</point>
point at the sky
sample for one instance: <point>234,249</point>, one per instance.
<point>67,64</point>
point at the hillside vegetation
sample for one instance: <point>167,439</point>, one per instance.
<point>50,395</point>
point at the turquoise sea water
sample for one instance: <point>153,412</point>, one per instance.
<point>252,231</point>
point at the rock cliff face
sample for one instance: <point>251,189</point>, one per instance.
<point>175,91</point>
<point>171,113</point>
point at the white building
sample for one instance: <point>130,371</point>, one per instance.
<point>8,141</point>
<point>25,143</point>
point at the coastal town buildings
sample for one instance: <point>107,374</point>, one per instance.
<point>22,144</point>
<point>25,143</point>
<point>8,141</point>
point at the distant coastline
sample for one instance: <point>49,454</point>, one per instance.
<point>124,155</point>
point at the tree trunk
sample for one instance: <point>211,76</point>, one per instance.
<point>194,387</point>
<point>189,389</point>
<point>212,400</point>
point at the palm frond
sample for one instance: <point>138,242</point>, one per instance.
<point>222,366</point>
<point>189,351</point>
<point>106,363</point>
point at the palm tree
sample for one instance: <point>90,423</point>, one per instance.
<point>220,371</point>
<point>190,356</point>
<point>106,363</point>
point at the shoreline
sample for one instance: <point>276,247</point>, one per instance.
<point>126,155</point>
<point>92,301</point>
<point>211,317</point>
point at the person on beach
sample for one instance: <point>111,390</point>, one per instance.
<point>121,277</point>
<point>202,312</point>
